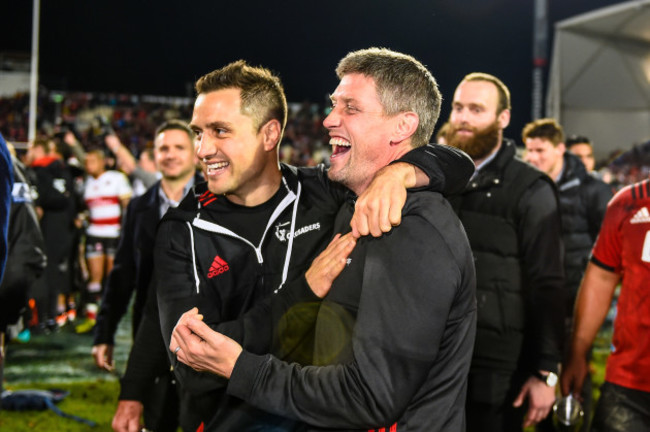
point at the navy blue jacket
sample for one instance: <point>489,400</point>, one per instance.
<point>6,182</point>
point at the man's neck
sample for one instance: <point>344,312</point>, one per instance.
<point>259,191</point>
<point>395,152</point>
<point>557,171</point>
<point>173,188</point>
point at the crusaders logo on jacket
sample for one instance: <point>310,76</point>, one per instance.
<point>281,231</point>
<point>283,234</point>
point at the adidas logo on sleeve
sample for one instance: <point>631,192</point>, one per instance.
<point>642,216</point>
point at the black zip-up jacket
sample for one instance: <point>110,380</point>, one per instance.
<point>55,197</point>
<point>394,336</point>
<point>200,263</point>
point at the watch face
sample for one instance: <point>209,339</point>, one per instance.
<point>551,379</point>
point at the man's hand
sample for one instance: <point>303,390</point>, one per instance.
<point>329,264</point>
<point>573,375</point>
<point>70,139</point>
<point>379,208</point>
<point>202,348</point>
<point>103,356</point>
<point>540,400</point>
<point>192,313</point>
<point>113,143</point>
<point>127,417</point>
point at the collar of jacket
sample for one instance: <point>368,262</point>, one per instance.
<point>573,169</point>
<point>151,197</point>
<point>492,173</point>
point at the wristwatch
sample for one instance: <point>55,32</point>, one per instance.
<point>550,379</point>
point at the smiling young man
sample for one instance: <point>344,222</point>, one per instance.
<point>174,158</point>
<point>510,212</point>
<point>393,336</point>
<point>583,202</point>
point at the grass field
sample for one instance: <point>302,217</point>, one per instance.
<point>62,360</point>
<point>91,400</point>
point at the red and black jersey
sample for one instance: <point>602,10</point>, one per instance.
<point>623,247</point>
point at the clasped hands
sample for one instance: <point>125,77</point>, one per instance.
<point>202,348</point>
<point>195,344</point>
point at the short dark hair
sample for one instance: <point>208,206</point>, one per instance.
<point>546,128</point>
<point>175,124</point>
<point>502,89</point>
<point>403,84</point>
<point>42,142</point>
<point>262,94</point>
<point>577,139</point>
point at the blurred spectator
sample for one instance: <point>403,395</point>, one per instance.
<point>56,209</point>
<point>581,147</point>
<point>146,164</point>
<point>106,194</point>
<point>68,149</point>
<point>441,135</point>
<point>27,259</point>
<point>142,176</point>
<point>631,166</point>
<point>133,120</point>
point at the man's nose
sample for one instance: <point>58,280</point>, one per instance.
<point>204,147</point>
<point>332,120</point>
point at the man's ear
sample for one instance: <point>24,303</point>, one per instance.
<point>271,133</point>
<point>561,147</point>
<point>503,119</point>
<point>407,124</point>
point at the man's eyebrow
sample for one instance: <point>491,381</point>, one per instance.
<point>470,104</point>
<point>344,100</point>
<point>218,125</point>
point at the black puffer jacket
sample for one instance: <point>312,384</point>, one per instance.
<point>583,201</point>
<point>510,212</point>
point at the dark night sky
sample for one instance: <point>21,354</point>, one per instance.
<point>161,47</point>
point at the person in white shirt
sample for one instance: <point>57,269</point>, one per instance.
<point>106,194</point>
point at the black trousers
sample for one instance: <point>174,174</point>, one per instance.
<point>161,405</point>
<point>489,402</point>
<point>620,409</point>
